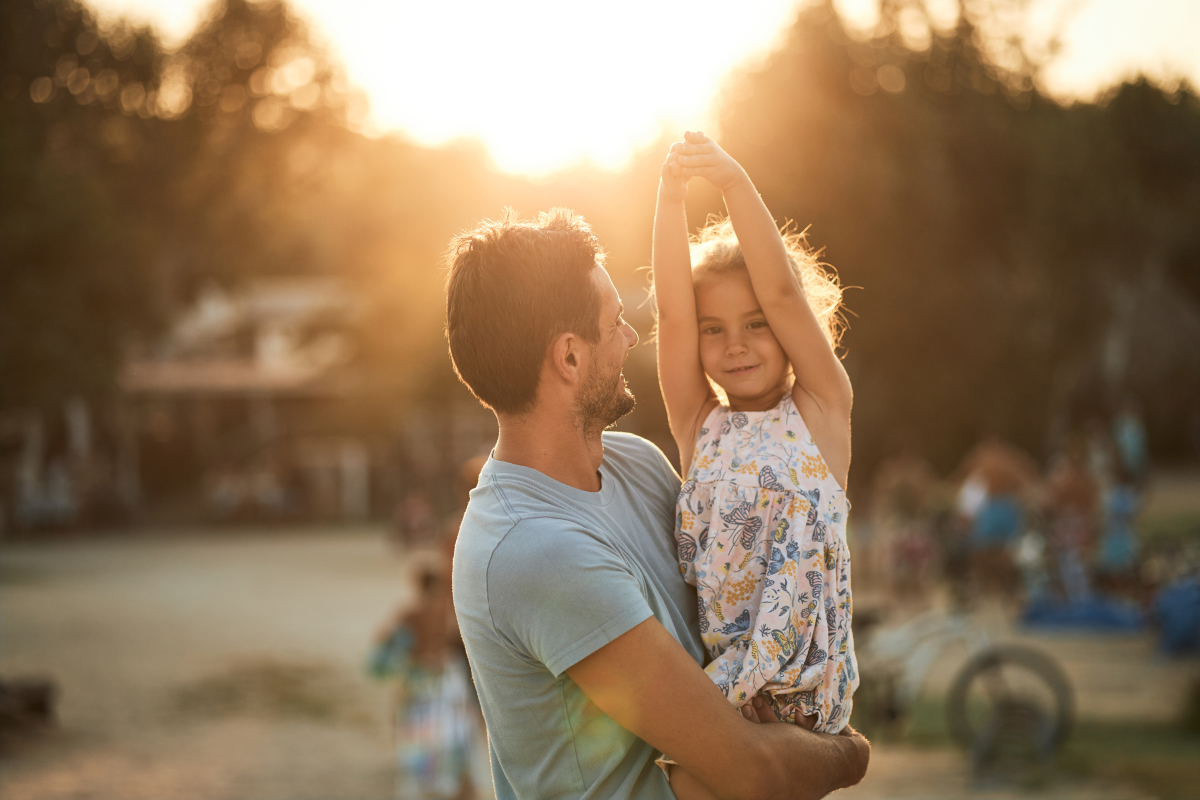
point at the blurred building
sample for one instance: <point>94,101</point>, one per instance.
<point>249,407</point>
<point>239,411</point>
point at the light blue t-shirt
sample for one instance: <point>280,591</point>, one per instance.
<point>545,575</point>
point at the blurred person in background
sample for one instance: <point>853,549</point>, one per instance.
<point>1072,498</point>
<point>441,749</point>
<point>997,479</point>
<point>903,547</point>
<point>1101,456</point>
<point>1129,436</point>
<point>1116,459</point>
<point>441,746</point>
<point>466,480</point>
<point>1118,548</point>
<point>413,520</point>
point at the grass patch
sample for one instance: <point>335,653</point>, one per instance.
<point>923,726</point>
<point>265,687</point>
<point>1162,760</point>
<point>1179,528</point>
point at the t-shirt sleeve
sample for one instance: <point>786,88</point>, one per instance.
<point>559,594</point>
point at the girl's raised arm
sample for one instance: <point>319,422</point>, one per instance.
<point>822,390</point>
<point>686,391</point>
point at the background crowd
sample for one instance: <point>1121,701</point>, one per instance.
<point>1060,535</point>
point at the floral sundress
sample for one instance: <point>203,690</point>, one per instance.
<point>760,527</point>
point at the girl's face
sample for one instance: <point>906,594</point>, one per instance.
<point>737,349</point>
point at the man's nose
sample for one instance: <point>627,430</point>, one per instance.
<point>631,334</point>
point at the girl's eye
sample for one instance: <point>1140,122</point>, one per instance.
<point>758,323</point>
<point>713,329</point>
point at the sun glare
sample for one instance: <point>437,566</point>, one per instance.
<point>545,85</point>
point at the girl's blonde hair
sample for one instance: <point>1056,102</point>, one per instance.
<point>716,252</point>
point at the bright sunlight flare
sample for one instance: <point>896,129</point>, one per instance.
<point>545,84</point>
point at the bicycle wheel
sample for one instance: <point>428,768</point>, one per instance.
<point>1011,699</point>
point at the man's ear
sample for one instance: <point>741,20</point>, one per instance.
<point>567,357</point>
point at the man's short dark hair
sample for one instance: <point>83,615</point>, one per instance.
<point>514,286</point>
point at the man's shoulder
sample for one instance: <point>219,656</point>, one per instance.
<point>502,538</point>
<point>508,496</point>
<point>506,510</point>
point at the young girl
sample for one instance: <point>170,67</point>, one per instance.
<point>441,749</point>
<point>759,405</point>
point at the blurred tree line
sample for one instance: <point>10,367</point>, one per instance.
<point>1021,263</point>
<point>1024,264</point>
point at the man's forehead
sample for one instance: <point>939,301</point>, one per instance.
<point>608,292</point>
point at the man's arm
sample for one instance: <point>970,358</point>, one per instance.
<point>647,682</point>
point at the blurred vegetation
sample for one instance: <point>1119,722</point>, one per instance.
<point>270,688</point>
<point>1002,240</point>
<point>1022,263</point>
<point>1162,759</point>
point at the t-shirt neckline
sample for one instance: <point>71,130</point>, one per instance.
<point>600,498</point>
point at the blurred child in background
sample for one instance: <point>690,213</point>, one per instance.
<point>441,749</point>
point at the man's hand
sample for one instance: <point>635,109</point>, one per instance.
<point>647,683</point>
<point>672,185</point>
<point>759,710</point>
<point>699,156</point>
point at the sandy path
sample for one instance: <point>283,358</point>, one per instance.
<point>169,654</point>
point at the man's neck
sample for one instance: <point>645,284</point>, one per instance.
<point>555,447</point>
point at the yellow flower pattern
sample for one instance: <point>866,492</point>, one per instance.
<point>814,467</point>
<point>761,529</point>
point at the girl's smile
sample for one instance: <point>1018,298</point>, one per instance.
<point>737,348</point>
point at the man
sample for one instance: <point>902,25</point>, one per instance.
<point>582,636</point>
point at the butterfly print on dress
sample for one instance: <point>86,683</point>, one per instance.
<point>742,517</point>
<point>687,547</point>
<point>742,623</point>
<point>769,480</point>
<point>775,615</point>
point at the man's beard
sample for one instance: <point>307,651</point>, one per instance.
<point>601,400</point>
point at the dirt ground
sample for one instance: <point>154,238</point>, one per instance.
<point>228,664</point>
<point>223,665</point>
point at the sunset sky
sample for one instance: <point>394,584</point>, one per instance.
<point>545,84</point>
